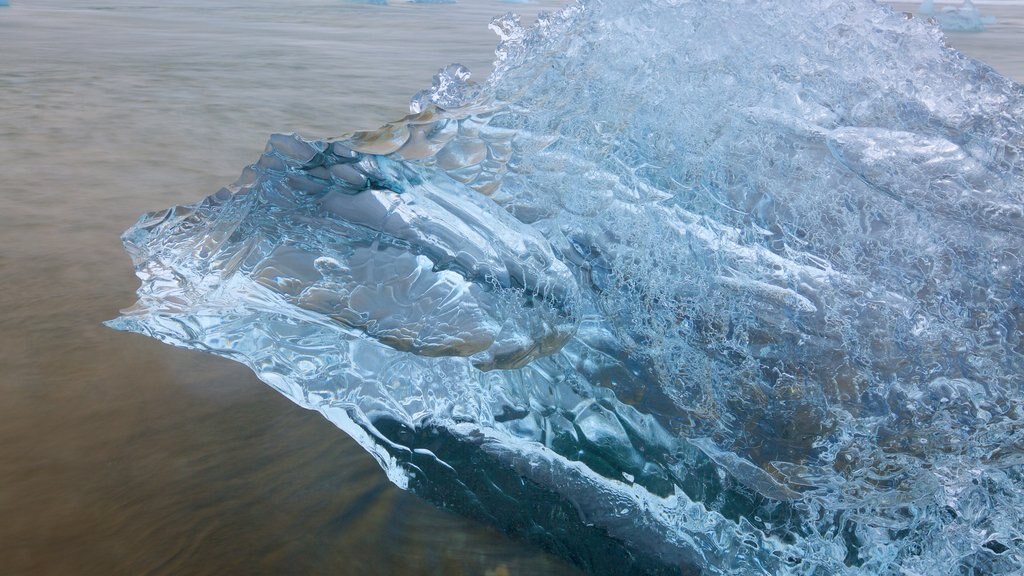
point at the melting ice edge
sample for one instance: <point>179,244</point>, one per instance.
<point>721,287</point>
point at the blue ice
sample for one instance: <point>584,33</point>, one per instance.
<point>698,287</point>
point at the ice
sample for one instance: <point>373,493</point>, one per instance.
<point>683,287</point>
<point>965,18</point>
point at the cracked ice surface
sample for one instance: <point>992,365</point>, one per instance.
<point>712,287</point>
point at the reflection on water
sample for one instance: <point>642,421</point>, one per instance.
<point>119,454</point>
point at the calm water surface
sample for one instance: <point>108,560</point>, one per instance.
<point>120,455</point>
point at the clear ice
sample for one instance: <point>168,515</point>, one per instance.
<point>720,287</point>
<point>964,18</point>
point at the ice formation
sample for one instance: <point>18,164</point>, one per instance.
<point>725,287</point>
<point>964,18</point>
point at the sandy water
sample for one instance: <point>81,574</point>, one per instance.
<point>120,455</point>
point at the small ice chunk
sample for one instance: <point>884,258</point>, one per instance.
<point>963,18</point>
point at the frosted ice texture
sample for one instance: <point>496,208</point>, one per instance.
<point>964,18</point>
<point>725,287</point>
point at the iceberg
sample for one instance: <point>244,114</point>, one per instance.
<point>682,287</point>
<point>964,18</point>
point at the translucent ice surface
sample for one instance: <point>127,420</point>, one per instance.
<point>964,18</point>
<point>723,287</point>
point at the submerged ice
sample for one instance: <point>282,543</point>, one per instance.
<point>683,287</point>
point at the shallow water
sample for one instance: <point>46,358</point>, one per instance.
<point>122,455</point>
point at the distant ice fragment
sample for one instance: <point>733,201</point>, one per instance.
<point>964,18</point>
<point>682,287</point>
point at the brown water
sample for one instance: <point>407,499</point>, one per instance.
<point>1001,45</point>
<point>120,455</point>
